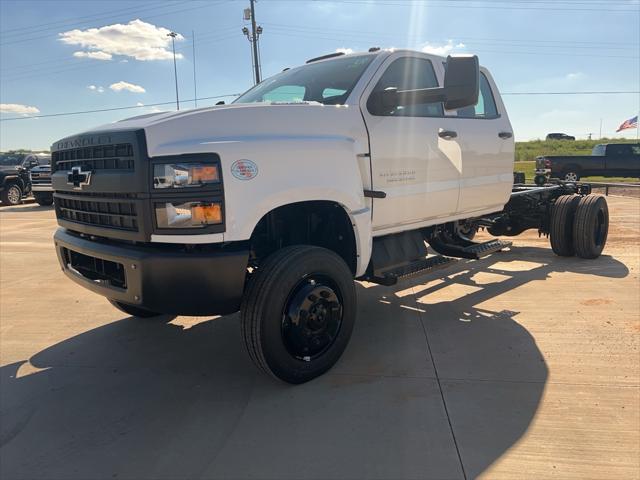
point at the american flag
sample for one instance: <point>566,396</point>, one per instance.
<point>631,123</point>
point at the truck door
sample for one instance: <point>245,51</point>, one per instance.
<point>417,170</point>
<point>619,160</point>
<point>486,140</point>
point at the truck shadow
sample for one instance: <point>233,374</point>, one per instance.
<point>149,399</point>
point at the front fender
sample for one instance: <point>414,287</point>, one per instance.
<point>298,170</point>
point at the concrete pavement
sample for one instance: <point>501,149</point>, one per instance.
<point>521,365</point>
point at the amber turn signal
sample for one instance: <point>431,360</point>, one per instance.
<point>206,214</point>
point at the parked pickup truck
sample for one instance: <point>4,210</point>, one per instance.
<point>344,168</point>
<point>607,160</point>
<point>41,183</point>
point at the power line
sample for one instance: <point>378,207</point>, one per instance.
<point>73,21</point>
<point>471,4</point>
<point>573,93</point>
<point>534,42</point>
<point>479,50</point>
<point>146,17</point>
<point>82,112</point>
<point>74,64</point>
<point>61,114</point>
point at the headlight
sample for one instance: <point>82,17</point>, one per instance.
<point>180,175</point>
<point>195,214</point>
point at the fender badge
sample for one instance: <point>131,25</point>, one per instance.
<point>244,169</point>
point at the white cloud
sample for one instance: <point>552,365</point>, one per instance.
<point>139,104</point>
<point>574,75</point>
<point>17,108</point>
<point>93,55</point>
<point>131,87</point>
<point>442,50</point>
<point>346,51</point>
<point>94,88</point>
<point>136,39</point>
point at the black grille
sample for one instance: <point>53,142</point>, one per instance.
<point>102,157</point>
<point>101,213</point>
<point>96,269</point>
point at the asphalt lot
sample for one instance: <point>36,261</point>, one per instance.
<point>521,365</point>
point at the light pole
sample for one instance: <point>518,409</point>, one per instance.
<point>256,31</point>
<point>173,36</point>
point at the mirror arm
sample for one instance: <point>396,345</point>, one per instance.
<point>422,95</point>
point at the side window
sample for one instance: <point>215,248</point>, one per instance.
<point>619,150</point>
<point>486,106</point>
<point>407,73</point>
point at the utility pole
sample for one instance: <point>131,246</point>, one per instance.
<point>173,36</point>
<point>250,14</point>
<point>600,135</point>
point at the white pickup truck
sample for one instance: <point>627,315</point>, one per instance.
<point>345,168</point>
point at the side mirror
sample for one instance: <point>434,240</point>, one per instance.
<point>461,88</point>
<point>461,81</point>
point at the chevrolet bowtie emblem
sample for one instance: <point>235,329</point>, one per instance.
<point>78,178</point>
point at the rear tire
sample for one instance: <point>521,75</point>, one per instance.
<point>561,229</point>
<point>591,226</point>
<point>11,195</point>
<point>133,310</point>
<point>298,312</point>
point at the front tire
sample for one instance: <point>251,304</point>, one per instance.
<point>298,312</point>
<point>591,226</point>
<point>561,228</point>
<point>12,195</point>
<point>43,199</point>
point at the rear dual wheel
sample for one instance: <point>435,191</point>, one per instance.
<point>561,230</point>
<point>298,312</point>
<point>579,226</point>
<point>591,226</point>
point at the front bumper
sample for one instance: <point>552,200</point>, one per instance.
<point>161,279</point>
<point>41,188</point>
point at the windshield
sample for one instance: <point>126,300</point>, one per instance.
<point>327,82</point>
<point>11,159</point>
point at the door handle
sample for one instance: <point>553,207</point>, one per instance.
<point>505,135</point>
<point>448,134</point>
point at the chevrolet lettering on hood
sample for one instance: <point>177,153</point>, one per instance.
<point>84,142</point>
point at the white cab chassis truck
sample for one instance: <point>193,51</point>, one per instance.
<point>348,167</point>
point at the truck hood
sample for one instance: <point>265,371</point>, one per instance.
<point>9,170</point>
<point>171,133</point>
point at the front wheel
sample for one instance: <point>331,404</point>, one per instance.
<point>12,195</point>
<point>298,312</point>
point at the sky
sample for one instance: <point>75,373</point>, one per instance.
<point>60,56</point>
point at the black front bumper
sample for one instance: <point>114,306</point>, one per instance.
<point>163,279</point>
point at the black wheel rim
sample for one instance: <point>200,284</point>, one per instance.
<point>312,317</point>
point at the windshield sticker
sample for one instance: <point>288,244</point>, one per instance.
<point>244,169</point>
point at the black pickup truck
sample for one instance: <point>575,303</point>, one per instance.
<point>606,160</point>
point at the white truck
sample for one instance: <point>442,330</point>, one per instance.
<point>348,167</point>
